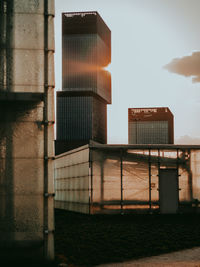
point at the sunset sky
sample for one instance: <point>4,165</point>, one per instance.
<point>155,60</point>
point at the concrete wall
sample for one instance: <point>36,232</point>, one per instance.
<point>26,142</point>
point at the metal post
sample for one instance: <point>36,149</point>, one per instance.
<point>136,130</point>
<point>150,180</point>
<point>159,177</point>
<point>177,166</point>
<point>121,172</point>
<point>190,176</point>
<point>177,161</point>
<point>102,181</point>
<point>158,159</point>
<point>90,180</point>
<point>91,183</point>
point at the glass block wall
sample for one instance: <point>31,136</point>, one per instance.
<point>148,132</point>
<point>122,179</point>
<point>74,118</point>
<point>84,56</point>
<point>81,118</point>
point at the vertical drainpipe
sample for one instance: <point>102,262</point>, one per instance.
<point>2,45</point>
<point>150,180</point>
<point>9,40</point>
<point>48,253</point>
<point>7,86</point>
<point>45,119</point>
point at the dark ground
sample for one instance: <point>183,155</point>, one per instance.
<point>88,240</point>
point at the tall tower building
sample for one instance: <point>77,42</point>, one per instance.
<point>86,85</point>
<point>150,126</point>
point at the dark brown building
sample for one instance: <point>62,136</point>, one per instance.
<point>86,85</point>
<point>150,126</point>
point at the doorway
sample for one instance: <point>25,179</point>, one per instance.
<point>168,191</point>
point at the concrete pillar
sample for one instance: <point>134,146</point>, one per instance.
<point>26,130</point>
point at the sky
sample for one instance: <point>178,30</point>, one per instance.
<point>155,60</point>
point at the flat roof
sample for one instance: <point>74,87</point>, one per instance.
<point>149,109</point>
<point>141,146</point>
<point>114,147</point>
<point>80,13</point>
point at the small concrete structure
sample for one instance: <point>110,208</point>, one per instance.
<point>98,178</point>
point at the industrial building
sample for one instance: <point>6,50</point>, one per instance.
<point>86,85</point>
<point>150,126</point>
<point>150,174</point>
<point>98,178</point>
<point>26,131</point>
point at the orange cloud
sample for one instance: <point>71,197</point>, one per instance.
<point>188,66</point>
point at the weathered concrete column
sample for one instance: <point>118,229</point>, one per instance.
<point>26,130</point>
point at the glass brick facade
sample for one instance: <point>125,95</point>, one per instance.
<point>81,118</point>
<point>150,126</point>
<point>74,118</point>
<point>84,56</point>
<point>101,179</point>
<point>153,132</point>
<point>86,85</point>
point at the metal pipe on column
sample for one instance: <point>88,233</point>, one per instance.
<point>48,230</point>
<point>45,119</point>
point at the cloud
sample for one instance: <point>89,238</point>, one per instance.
<point>188,66</point>
<point>187,140</point>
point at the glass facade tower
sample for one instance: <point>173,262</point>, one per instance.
<point>86,85</point>
<point>150,126</point>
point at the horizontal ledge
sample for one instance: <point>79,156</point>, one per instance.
<point>22,158</point>
<point>71,202</point>
<point>68,166</point>
<point>71,177</point>
<point>89,92</point>
<point>21,96</point>
<point>124,202</point>
<point>17,194</point>
<point>72,190</point>
<point>136,202</point>
<point>124,147</point>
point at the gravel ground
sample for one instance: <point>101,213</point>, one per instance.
<point>183,258</point>
<point>89,240</point>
